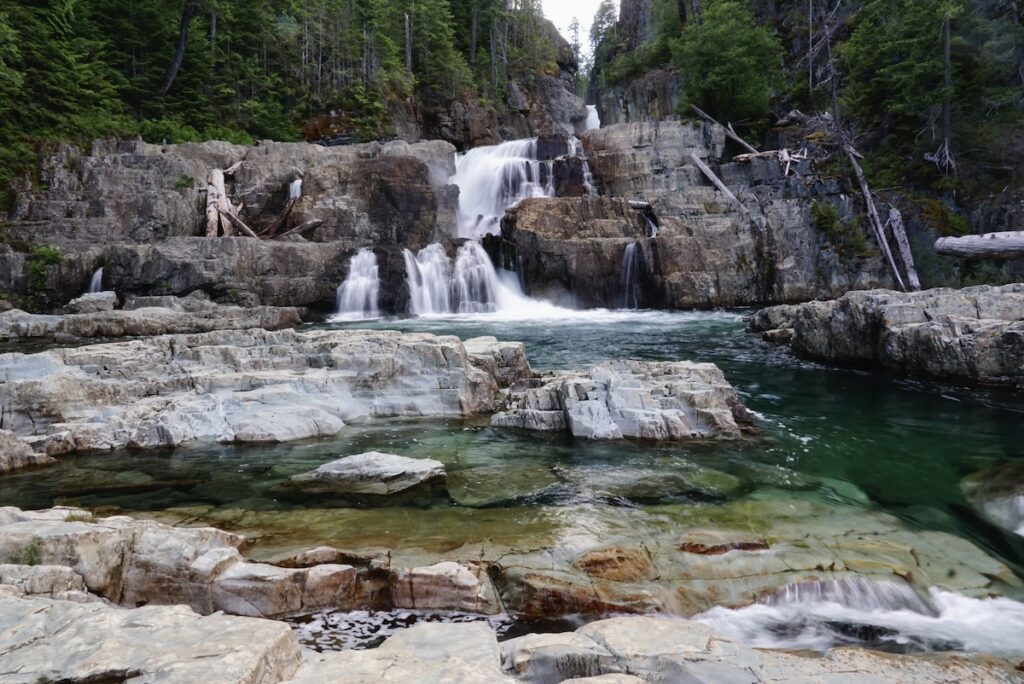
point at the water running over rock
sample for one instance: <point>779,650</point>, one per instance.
<point>96,284</point>
<point>631,277</point>
<point>493,178</point>
<point>357,296</point>
<point>593,118</point>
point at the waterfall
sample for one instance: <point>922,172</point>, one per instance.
<point>357,296</point>
<point>576,148</point>
<point>493,178</point>
<point>96,284</point>
<point>822,614</point>
<point>652,227</point>
<point>439,286</point>
<point>631,276</point>
<point>593,119</point>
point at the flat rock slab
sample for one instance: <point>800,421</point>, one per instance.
<point>655,400</point>
<point>15,454</point>
<point>47,640</point>
<point>973,335</point>
<point>373,474</point>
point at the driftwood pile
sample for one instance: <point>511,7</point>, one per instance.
<point>222,217</point>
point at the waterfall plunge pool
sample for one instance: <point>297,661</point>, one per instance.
<point>846,445</point>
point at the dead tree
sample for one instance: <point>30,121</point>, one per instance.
<point>187,13</point>
<point>873,219</point>
<point>1005,245</point>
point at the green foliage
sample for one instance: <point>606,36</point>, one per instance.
<point>938,216</point>
<point>29,554</point>
<point>40,258</point>
<point>732,66</point>
<point>847,238</point>
<point>183,183</point>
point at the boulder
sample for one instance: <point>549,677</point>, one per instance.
<point>51,640</point>
<point>973,335</point>
<point>15,454</point>
<point>998,493</point>
<point>235,386</point>
<point>93,302</point>
<point>644,399</point>
<point>445,586</point>
<point>370,475</point>
<point>505,361</point>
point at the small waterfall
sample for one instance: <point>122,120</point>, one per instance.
<point>593,119</point>
<point>493,178</point>
<point>576,148</point>
<point>357,296</point>
<point>96,284</point>
<point>631,276</point>
<point>890,616</point>
<point>469,284</point>
<point>652,227</point>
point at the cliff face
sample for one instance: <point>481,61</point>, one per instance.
<point>692,246</point>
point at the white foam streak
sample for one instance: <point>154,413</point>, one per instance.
<point>951,621</point>
<point>357,296</point>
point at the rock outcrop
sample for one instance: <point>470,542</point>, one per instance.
<point>372,476</point>
<point>15,454</point>
<point>998,493</point>
<point>145,317</point>
<point>235,386</point>
<point>134,209</point>
<point>693,246</point>
<point>973,335</point>
<point>643,399</point>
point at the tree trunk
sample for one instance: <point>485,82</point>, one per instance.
<point>695,4</point>
<point>947,106</point>
<point>681,8</point>
<point>213,32</point>
<point>408,43</point>
<point>216,202</point>
<point>1006,245</point>
<point>474,21</point>
<point>187,13</point>
<point>876,222</point>
<point>900,233</point>
<point>810,50</point>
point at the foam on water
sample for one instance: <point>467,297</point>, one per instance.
<point>882,615</point>
<point>357,296</point>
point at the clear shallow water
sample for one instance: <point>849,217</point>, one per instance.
<point>841,437</point>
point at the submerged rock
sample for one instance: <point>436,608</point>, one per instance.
<point>373,474</point>
<point>235,386</point>
<point>998,493</point>
<point>644,399</point>
<point>971,335</point>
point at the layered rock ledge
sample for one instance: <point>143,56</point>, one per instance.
<point>644,399</point>
<point>53,640</point>
<point>239,386</point>
<point>973,335</point>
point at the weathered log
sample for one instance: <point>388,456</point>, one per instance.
<point>308,225</point>
<point>238,223</point>
<point>876,222</point>
<point>706,170</point>
<point>729,132</point>
<point>1005,245</point>
<point>896,223</point>
<point>639,204</point>
<point>294,193</point>
<point>216,202</point>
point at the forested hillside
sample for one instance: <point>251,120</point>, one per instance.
<point>933,89</point>
<point>201,69</point>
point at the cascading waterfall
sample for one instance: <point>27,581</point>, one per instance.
<point>884,615</point>
<point>631,276</point>
<point>357,296</point>
<point>593,118</point>
<point>493,178</point>
<point>470,284</point>
<point>576,148</point>
<point>96,284</point>
<point>652,227</point>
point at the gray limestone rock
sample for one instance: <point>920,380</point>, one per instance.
<point>371,474</point>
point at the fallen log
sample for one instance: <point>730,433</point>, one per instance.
<point>639,204</point>
<point>876,222</point>
<point>729,132</point>
<point>896,223</point>
<point>216,201</point>
<point>238,223</point>
<point>308,225</point>
<point>713,177</point>
<point>1005,245</point>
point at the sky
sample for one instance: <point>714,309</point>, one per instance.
<point>561,13</point>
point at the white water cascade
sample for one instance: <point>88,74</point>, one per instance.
<point>631,277</point>
<point>469,284</point>
<point>357,296</point>
<point>495,177</point>
<point>593,118</point>
<point>576,148</point>
<point>885,615</point>
<point>96,284</point>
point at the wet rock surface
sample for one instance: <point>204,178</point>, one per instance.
<point>647,400</point>
<point>371,475</point>
<point>973,335</point>
<point>241,386</point>
<point>695,248</point>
